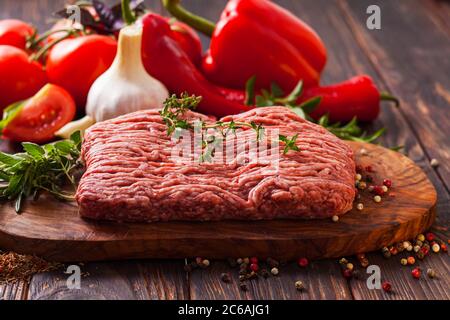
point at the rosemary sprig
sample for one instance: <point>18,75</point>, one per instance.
<point>39,168</point>
<point>172,115</point>
<point>349,131</point>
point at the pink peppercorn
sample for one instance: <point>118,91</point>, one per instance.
<point>416,273</point>
<point>303,262</point>
<point>254,267</point>
<point>429,236</point>
<point>254,260</point>
<point>387,286</point>
<point>387,183</point>
<point>378,190</point>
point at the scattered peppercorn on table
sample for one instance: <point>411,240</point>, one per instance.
<point>413,269</point>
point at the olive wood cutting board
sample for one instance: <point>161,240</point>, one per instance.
<point>53,229</point>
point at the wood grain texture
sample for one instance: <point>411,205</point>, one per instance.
<point>14,291</point>
<point>404,286</point>
<point>322,280</point>
<point>409,45</point>
<point>131,280</point>
<point>54,230</point>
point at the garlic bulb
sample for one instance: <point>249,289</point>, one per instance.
<point>125,87</point>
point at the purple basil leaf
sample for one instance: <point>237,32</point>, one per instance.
<point>105,13</point>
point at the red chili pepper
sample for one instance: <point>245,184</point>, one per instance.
<point>166,60</point>
<point>258,38</point>
<point>357,97</point>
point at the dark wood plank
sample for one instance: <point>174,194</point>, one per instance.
<point>411,55</point>
<point>14,291</point>
<point>404,286</point>
<point>161,280</point>
<point>322,280</point>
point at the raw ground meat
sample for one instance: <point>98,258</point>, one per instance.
<point>130,175</point>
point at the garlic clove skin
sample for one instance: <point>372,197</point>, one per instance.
<point>125,87</point>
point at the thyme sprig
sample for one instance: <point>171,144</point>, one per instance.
<point>175,107</point>
<point>40,168</point>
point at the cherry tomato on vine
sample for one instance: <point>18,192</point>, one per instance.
<point>38,118</point>
<point>75,64</point>
<point>20,78</point>
<point>15,33</point>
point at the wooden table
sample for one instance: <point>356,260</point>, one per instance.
<point>410,57</point>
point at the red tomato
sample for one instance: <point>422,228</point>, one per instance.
<point>20,78</point>
<point>41,116</point>
<point>15,33</point>
<point>75,64</point>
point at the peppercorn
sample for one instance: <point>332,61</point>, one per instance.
<point>419,243</point>
<point>343,261</point>
<point>246,260</point>
<point>387,183</point>
<point>272,262</point>
<point>242,277</point>
<point>393,251</point>
<point>425,250</point>
<point>243,286</point>
<point>254,260</point>
<point>387,286</point>
<point>264,273</point>
<point>252,275</point>
<point>416,248</point>
<point>416,273</point>
<point>378,190</point>
<point>363,152</point>
<point>429,236</point>
<point>421,237</point>
<point>420,255</point>
<point>400,247</point>
<point>225,277</point>
<point>409,248</point>
<point>411,260</point>
<point>434,163</point>
<point>358,177</point>
<point>274,271</point>
<point>335,218</point>
<point>431,273</point>
<point>239,261</point>
<point>369,169</point>
<point>362,185</point>
<point>360,206</point>
<point>299,285</point>
<point>254,267</point>
<point>347,273</point>
<point>350,266</point>
<point>444,247</point>
<point>205,263</point>
<point>385,189</point>
<point>370,189</point>
<point>198,260</point>
<point>364,262</point>
<point>404,261</point>
<point>436,248</point>
<point>386,252</point>
<point>377,199</point>
<point>303,262</point>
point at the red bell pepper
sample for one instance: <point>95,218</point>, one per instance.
<point>165,59</point>
<point>357,97</point>
<point>258,38</point>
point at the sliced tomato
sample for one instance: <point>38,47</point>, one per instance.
<point>41,116</point>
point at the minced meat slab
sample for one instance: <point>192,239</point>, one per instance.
<point>130,175</point>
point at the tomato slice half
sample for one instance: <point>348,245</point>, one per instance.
<point>41,116</point>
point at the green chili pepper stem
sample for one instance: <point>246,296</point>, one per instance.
<point>199,23</point>
<point>384,96</point>
<point>127,14</point>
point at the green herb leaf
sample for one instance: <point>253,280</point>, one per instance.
<point>310,105</point>
<point>9,160</point>
<point>34,150</point>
